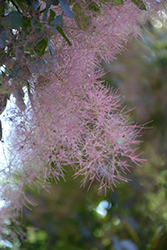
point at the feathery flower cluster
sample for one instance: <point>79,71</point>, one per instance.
<point>71,119</point>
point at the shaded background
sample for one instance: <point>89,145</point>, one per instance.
<point>134,216</point>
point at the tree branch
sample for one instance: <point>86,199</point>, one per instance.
<point>16,7</point>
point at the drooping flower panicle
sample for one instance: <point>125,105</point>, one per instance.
<point>71,118</point>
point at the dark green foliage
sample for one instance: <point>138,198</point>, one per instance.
<point>58,21</point>
<point>139,4</point>
<point>93,6</point>
<point>13,20</point>
<point>40,47</point>
<point>25,37</point>
<point>52,16</point>
<point>83,21</point>
<point>117,2</point>
<point>60,30</point>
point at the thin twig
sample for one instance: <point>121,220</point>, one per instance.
<point>16,7</point>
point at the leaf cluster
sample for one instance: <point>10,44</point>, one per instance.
<point>26,28</point>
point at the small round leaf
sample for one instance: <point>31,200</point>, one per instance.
<point>13,20</point>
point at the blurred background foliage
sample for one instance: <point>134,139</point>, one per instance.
<point>134,216</point>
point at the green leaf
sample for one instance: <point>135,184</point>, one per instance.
<point>58,21</point>
<point>13,20</point>
<point>117,2</point>
<point>50,46</point>
<point>37,27</point>
<point>54,30</point>
<point>35,23</point>
<point>60,30</point>
<point>52,16</point>
<point>52,164</point>
<point>36,4</point>
<point>66,9</point>
<point>93,7</point>
<point>139,4</point>
<point>21,3</point>
<point>2,7</point>
<point>82,20</point>
<point>39,39</point>
<point>27,23</point>
<point>41,46</point>
<point>46,11</point>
